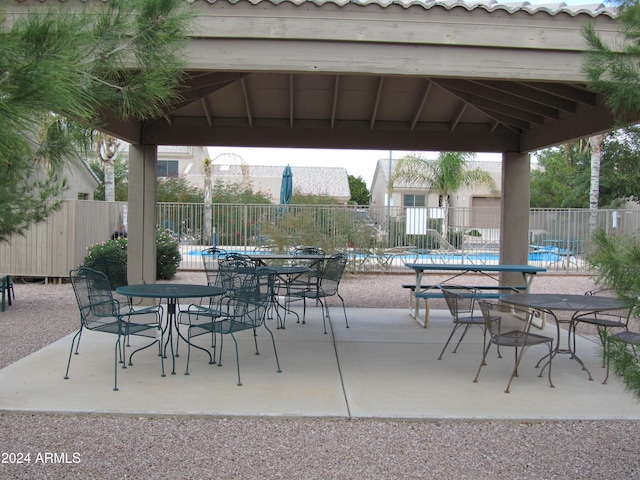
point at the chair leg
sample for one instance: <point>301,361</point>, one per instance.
<point>324,316</point>
<point>482,362</point>
<point>304,310</point>
<point>275,352</point>
<point>455,327</point>
<point>344,310</point>
<point>115,364</point>
<point>237,358</point>
<point>466,329</point>
<point>66,375</point>
<point>608,360</point>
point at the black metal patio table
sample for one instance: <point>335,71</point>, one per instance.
<point>171,292</point>
<point>287,274</point>
<point>550,303</point>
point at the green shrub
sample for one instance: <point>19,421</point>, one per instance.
<point>110,257</point>
<point>168,255</point>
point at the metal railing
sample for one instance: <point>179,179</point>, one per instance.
<point>558,237</point>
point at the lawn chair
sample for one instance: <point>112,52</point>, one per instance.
<point>100,312</point>
<point>247,308</point>
<point>603,321</point>
<point>509,326</point>
<point>325,284</point>
<point>461,302</point>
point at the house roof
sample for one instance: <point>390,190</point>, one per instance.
<point>331,181</point>
<point>592,9</point>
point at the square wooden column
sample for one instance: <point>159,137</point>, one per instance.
<point>141,250</point>
<point>514,221</point>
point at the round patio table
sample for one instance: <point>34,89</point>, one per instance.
<point>171,292</point>
<point>550,303</point>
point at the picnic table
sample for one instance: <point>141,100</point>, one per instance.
<point>425,292</point>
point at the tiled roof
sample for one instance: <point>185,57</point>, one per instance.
<point>592,9</point>
<point>332,181</point>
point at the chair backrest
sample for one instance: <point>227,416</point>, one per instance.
<point>115,270</point>
<point>620,316</point>
<point>94,296</point>
<point>332,274</point>
<point>503,320</point>
<point>460,299</point>
<point>251,299</point>
<point>315,265</point>
<point>209,258</point>
<point>233,270</point>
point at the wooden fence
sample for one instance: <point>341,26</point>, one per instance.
<point>52,248</point>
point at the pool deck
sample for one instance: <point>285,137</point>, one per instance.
<point>384,366</point>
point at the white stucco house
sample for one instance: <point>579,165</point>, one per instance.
<point>187,162</point>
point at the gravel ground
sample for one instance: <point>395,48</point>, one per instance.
<point>119,447</point>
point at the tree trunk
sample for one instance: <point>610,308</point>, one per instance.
<point>207,234</point>
<point>109,182</point>
<point>595,143</point>
<point>108,148</point>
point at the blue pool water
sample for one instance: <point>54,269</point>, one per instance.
<point>544,254</point>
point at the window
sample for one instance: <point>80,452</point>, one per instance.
<point>414,200</point>
<point>168,168</point>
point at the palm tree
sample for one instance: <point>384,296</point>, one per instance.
<point>445,175</point>
<point>595,142</point>
<point>207,167</point>
<point>108,147</point>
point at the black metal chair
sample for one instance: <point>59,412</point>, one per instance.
<point>324,284</point>
<point>8,293</point>
<point>509,326</point>
<point>461,302</point>
<point>291,289</point>
<point>246,310</point>
<point>622,339</point>
<point>603,321</point>
<point>210,259</point>
<point>100,312</point>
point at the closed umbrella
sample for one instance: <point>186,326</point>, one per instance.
<point>286,188</point>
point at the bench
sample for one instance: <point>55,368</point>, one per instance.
<point>507,289</point>
<point>433,291</point>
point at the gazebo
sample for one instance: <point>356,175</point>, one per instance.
<point>381,74</point>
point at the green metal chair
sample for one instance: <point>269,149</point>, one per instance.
<point>509,326</point>
<point>291,289</point>
<point>100,312</point>
<point>6,284</point>
<point>325,284</point>
<point>461,301</point>
<point>603,321</point>
<point>246,309</point>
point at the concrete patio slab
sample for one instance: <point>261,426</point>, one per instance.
<point>384,366</point>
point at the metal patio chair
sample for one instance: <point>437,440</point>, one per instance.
<point>325,284</point>
<point>291,289</point>
<point>100,312</point>
<point>623,339</point>
<point>247,309</point>
<point>8,293</point>
<point>210,260</point>
<point>461,301</point>
<point>603,321</point>
<point>509,326</point>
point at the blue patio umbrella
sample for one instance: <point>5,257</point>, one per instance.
<point>286,188</point>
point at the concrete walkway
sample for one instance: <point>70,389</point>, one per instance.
<point>384,366</point>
